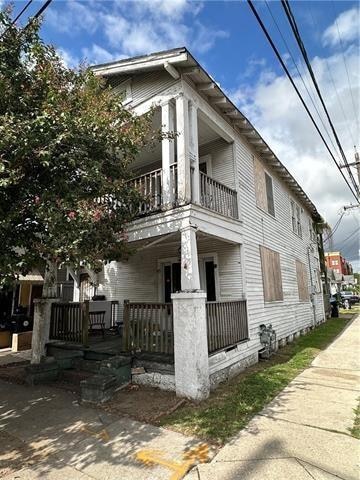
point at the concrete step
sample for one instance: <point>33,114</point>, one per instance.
<point>82,364</point>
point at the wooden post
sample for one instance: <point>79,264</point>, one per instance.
<point>85,323</point>
<point>126,327</point>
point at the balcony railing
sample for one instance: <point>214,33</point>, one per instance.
<point>217,196</point>
<point>213,194</point>
<point>150,188</point>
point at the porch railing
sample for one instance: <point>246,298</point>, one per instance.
<point>218,197</point>
<point>148,327</point>
<point>70,322</point>
<point>227,324</point>
<point>150,188</point>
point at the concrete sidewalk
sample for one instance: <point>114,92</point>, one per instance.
<point>46,434</point>
<point>304,432</point>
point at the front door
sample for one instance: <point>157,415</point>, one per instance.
<point>36,292</point>
<point>172,280</point>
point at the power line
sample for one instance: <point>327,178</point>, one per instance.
<point>347,71</point>
<point>38,13</point>
<point>16,18</point>
<point>301,77</point>
<point>335,227</point>
<point>317,27</point>
<point>351,234</point>
<point>254,11</point>
<point>291,19</point>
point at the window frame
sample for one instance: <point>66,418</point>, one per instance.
<point>271,276</point>
<point>296,217</point>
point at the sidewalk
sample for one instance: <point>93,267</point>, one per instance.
<point>304,432</point>
<point>46,434</point>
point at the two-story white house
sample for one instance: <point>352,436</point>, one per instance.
<point>224,241</point>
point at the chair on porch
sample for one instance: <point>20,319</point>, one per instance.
<point>97,319</point>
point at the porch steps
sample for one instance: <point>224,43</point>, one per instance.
<point>82,364</point>
<point>71,379</point>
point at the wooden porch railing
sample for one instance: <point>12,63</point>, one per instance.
<point>149,186</point>
<point>218,197</point>
<point>70,322</point>
<point>148,327</point>
<point>227,324</point>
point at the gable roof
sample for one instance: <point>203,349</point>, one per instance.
<point>179,61</point>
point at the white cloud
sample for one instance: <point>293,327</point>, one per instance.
<point>272,105</point>
<point>73,17</point>
<point>136,27</point>
<point>96,54</point>
<point>348,24</point>
<point>69,60</point>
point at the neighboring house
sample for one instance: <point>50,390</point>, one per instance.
<point>338,263</point>
<point>223,216</point>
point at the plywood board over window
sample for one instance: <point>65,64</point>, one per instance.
<point>302,281</point>
<point>264,191</point>
<point>271,273</point>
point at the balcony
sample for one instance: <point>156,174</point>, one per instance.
<point>212,194</point>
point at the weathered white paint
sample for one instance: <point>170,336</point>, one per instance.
<point>168,150</point>
<point>190,345</point>
<point>183,152</point>
<point>41,327</point>
<point>190,278</point>
<point>194,152</point>
<point>235,242</point>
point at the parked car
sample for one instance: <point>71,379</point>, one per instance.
<point>350,296</point>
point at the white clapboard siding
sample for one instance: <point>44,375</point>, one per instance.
<point>221,161</point>
<point>260,228</point>
<point>138,279</point>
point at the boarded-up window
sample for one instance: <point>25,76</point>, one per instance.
<point>263,188</point>
<point>302,281</point>
<point>271,273</point>
<point>270,194</point>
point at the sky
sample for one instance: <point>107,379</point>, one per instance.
<point>226,39</point>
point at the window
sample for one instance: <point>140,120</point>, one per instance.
<point>334,262</point>
<point>271,274</point>
<point>302,281</point>
<point>269,195</point>
<point>312,232</point>
<point>296,218</point>
<point>264,191</point>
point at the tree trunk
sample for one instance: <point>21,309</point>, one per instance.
<point>50,277</point>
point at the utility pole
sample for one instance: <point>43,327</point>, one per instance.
<point>355,164</point>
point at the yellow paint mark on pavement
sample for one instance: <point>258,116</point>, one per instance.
<point>199,454</point>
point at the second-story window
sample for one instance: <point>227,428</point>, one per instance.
<point>296,218</point>
<point>264,190</point>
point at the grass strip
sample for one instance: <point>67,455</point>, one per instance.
<point>233,404</point>
<point>355,431</point>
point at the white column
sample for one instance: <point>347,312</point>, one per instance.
<point>194,152</point>
<point>183,156</point>
<point>192,378</point>
<point>41,328</point>
<point>168,152</point>
<point>190,279</point>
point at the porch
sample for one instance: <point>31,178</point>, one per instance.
<point>197,166</point>
<point>147,330</point>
